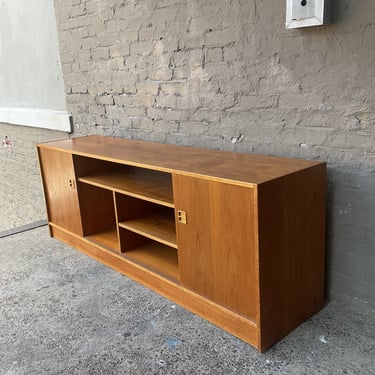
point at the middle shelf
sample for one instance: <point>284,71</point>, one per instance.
<point>149,185</point>
<point>155,226</point>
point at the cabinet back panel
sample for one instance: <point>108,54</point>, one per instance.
<point>86,166</point>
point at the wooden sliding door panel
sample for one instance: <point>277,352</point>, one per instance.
<point>217,245</point>
<point>60,189</point>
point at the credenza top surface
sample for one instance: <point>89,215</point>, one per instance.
<point>240,168</point>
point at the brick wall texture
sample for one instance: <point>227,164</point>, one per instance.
<point>226,74</point>
<point>21,197</point>
<point>222,74</point>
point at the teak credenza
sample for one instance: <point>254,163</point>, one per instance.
<point>235,238</point>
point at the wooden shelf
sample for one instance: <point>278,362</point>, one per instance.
<point>149,185</point>
<point>108,239</point>
<point>158,227</point>
<point>159,258</point>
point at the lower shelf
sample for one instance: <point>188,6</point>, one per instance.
<point>156,257</point>
<point>151,255</point>
<point>106,238</point>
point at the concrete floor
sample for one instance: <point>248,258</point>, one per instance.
<point>61,312</point>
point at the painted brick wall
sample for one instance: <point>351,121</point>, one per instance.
<point>21,198</point>
<point>226,74</point>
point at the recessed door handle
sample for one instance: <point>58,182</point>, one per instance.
<point>181,217</point>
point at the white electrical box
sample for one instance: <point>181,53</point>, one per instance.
<point>304,13</point>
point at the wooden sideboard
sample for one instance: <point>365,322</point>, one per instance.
<point>236,238</point>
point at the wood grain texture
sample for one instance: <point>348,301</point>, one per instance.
<point>250,257</point>
<point>97,207</point>
<point>291,255</point>
<point>157,258</point>
<point>87,166</point>
<point>155,226</point>
<point>60,189</point>
<point>139,183</point>
<point>217,248</point>
<point>129,208</point>
<point>237,168</point>
<point>145,218</point>
<point>108,239</point>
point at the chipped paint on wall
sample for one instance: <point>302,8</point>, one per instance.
<point>7,144</point>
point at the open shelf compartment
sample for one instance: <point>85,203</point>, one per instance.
<point>143,183</point>
<point>156,227</point>
<point>146,219</point>
<point>98,219</point>
<point>107,239</point>
<point>150,254</point>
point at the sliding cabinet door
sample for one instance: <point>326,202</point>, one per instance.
<point>60,189</point>
<point>216,238</point>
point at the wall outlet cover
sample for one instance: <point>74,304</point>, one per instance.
<point>305,13</point>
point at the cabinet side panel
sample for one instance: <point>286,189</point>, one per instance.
<point>60,189</point>
<point>217,244</point>
<point>291,251</point>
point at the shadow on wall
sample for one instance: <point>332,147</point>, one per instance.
<point>351,233</point>
<point>341,10</point>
